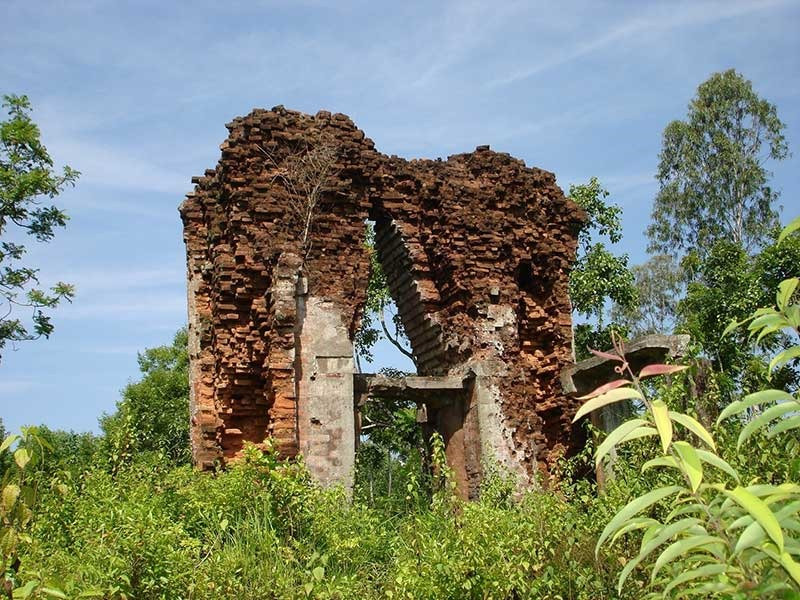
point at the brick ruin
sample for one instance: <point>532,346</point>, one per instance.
<point>477,250</point>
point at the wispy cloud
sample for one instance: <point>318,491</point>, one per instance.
<point>661,19</point>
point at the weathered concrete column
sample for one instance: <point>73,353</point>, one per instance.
<point>324,372</point>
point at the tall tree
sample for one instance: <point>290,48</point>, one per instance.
<point>712,171</point>
<point>599,277</point>
<point>153,414</point>
<point>659,285</point>
<point>26,177</point>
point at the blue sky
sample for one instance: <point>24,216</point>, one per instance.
<point>135,95</point>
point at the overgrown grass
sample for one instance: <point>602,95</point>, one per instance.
<point>263,530</point>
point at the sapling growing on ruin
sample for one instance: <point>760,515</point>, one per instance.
<point>305,174</point>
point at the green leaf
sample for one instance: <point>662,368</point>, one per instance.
<point>784,560</point>
<point>793,226</point>
<point>785,290</point>
<point>21,457</point>
<point>771,320</point>
<point>660,461</point>
<point>785,425</point>
<point>10,495</point>
<point>759,511</point>
<point>318,573</point>
<point>793,315</point>
<point>664,533</point>
<point>772,329</point>
<point>715,461</point>
<point>663,424</point>
<point>764,419</point>
<point>8,441</point>
<point>734,324</point>
<point>617,436</point>
<point>694,426</point>
<point>691,463</point>
<point>705,571</point>
<point>681,547</point>
<point>605,399</point>
<point>688,509</point>
<point>784,357</point>
<point>640,433</point>
<point>53,592</point>
<point>752,535</point>
<point>761,397</point>
<point>633,508</point>
<point>632,525</point>
<point>26,590</point>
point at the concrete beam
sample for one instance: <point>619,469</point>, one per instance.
<point>586,375</point>
<point>433,391</point>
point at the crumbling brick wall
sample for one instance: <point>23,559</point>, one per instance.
<point>477,249</point>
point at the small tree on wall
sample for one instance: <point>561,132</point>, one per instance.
<point>304,174</point>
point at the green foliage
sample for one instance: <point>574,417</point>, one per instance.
<point>153,414</point>
<point>714,185</point>
<point>730,285</point>
<point>723,534</point>
<point>599,275</point>
<point>262,529</point>
<point>659,284</point>
<point>19,498</point>
<point>68,451</point>
<point>379,302</point>
<point>26,175</point>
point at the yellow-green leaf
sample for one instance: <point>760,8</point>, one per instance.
<point>793,226</point>
<point>8,441</point>
<point>710,570</point>
<point>731,326</point>
<point>680,548</point>
<point>764,419</point>
<point>663,423</point>
<point>10,495</point>
<point>694,426</point>
<point>632,525</point>
<point>784,357</point>
<point>785,425</point>
<point>21,457</point>
<point>785,290</point>
<point>760,512</point>
<point>617,436</point>
<point>785,560</point>
<point>633,508</point>
<point>715,461</point>
<point>762,397</point>
<point>608,398</point>
<point>658,536</point>
<point>660,461</point>
<point>690,462</point>
<point>752,535</point>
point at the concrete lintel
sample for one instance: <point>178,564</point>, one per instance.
<point>434,390</point>
<point>588,374</point>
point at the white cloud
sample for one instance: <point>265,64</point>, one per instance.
<point>645,27</point>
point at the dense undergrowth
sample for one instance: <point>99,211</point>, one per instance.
<point>263,529</point>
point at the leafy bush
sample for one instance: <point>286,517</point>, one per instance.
<point>722,536</point>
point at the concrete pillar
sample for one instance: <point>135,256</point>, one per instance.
<point>324,372</point>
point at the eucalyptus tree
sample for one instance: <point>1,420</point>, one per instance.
<point>712,170</point>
